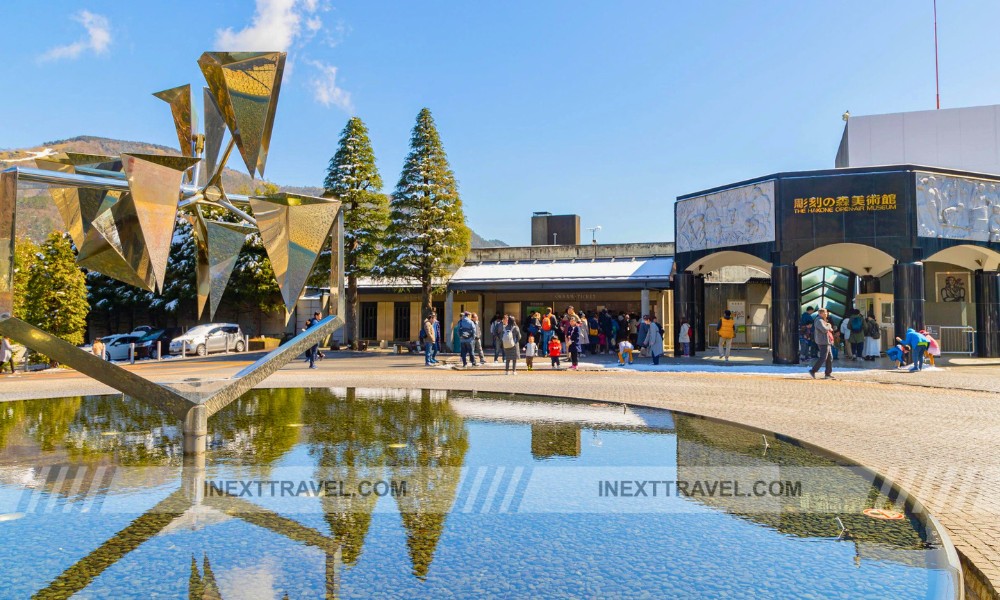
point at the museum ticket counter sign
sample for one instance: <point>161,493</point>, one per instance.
<point>871,221</point>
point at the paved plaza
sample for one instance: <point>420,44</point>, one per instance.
<point>937,433</point>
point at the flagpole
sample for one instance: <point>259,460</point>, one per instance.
<point>937,83</point>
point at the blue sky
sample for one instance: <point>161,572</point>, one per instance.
<point>604,109</point>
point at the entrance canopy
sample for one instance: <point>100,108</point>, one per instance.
<point>857,258</point>
<point>574,274</point>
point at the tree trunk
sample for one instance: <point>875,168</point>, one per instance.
<point>351,321</point>
<point>425,299</point>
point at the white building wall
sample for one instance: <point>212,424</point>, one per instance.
<point>957,138</point>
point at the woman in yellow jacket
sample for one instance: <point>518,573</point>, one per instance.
<point>727,331</point>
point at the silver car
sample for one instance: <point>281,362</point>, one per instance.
<point>213,337</point>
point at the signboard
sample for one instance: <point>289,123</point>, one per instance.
<point>738,308</point>
<point>870,209</point>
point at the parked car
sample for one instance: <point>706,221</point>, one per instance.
<point>213,337</point>
<point>146,346</point>
<point>142,330</point>
<point>119,347</point>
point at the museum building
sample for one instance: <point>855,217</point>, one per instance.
<point>905,227</point>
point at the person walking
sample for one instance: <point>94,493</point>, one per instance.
<point>511,340</point>
<point>7,353</point>
<point>806,333</point>
<point>573,341</point>
<point>684,336</point>
<point>727,331</point>
<point>313,352</point>
<point>429,340</point>
<point>823,336</point>
<point>530,351</point>
<point>477,346</point>
<point>654,340</point>
<point>466,339</point>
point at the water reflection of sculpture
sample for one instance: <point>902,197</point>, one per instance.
<point>121,213</point>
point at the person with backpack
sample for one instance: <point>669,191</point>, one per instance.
<point>845,334</point>
<point>511,341</point>
<point>467,338</point>
<point>857,339</point>
<point>684,337</point>
<point>641,330</point>
<point>428,338</point>
<point>727,331</point>
<point>496,332</point>
<point>873,339</point>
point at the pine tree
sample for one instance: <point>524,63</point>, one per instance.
<point>427,234</point>
<point>25,255</point>
<point>56,296</point>
<point>353,178</point>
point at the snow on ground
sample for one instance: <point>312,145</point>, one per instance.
<point>796,370</point>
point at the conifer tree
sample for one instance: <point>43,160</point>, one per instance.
<point>427,234</point>
<point>25,255</point>
<point>56,296</point>
<point>354,179</point>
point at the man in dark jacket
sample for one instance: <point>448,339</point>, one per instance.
<point>466,338</point>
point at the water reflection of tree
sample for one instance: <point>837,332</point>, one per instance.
<point>259,427</point>
<point>346,439</point>
<point>430,464</point>
<point>422,443</point>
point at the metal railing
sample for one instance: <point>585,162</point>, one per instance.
<point>756,336</point>
<point>954,339</point>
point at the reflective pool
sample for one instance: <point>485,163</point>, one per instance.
<point>396,493</point>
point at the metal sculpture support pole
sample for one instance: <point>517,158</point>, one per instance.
<point>195,430</point>
<point>8,202</point>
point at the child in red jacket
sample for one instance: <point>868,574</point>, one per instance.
<point>555,349</point>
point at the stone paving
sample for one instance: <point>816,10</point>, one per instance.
<point>936,433</point>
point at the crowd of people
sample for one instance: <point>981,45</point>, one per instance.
<point>573,335</point>
<point>859,338</point>
<point>551,335</point>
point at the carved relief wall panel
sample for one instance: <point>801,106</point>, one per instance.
<point>742,215</point>
<point>958,208</point>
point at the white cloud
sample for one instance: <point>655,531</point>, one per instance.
<point>325,88</point>
<point>98,38</point>
<point>276,25</point>
<point>290,26</point>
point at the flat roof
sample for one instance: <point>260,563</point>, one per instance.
<point>602,274</point>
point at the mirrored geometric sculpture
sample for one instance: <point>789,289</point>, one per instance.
<point>114,245</point>
<point>245,86</point>
<point>293,228</point>
<point>215,129</point>
<point>185,124</point>
<point>155,182</point>
<point>218,245</point>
